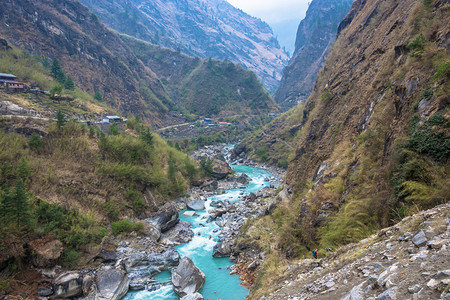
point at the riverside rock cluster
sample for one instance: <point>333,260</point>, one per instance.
<point>130,264</point>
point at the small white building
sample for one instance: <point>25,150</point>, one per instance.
<point>112,119</point>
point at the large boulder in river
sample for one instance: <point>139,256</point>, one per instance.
<point>220,168</point>
<point>68,285</point>
<point>196,204</point>
<point>112,284</point>
<point>141,267</point>
<point>187,278</point>
<point>165,218</point>
<point>45,252</point>
<point>222,249</point>
<point>179,234</point>
<point>195,296</point>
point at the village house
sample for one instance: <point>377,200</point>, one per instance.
<point>112,119</point>
<point>10,83</point>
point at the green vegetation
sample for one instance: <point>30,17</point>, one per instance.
<point>125,225</point>
<point>325,97</point>
<point>47,76</point>
<point>419,176</point>
<point>55,185</point>
<point>206,87</point>
<point>98,96</point>
<point>375,175</point>
<point>443,70</point>
<point>417,46</point>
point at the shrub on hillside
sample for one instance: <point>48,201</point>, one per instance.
<point>125,225</point>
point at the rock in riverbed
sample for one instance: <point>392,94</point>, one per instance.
<point>222,249</point>
<point>187,278</point>
<point>195,296</point>
<point>196,205</point>
<point>141,267</point>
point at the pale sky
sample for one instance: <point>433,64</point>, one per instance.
<point>282,15</point>
<point>273,11</point>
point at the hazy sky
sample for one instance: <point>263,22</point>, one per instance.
<point>273,11</point>
<point>282,15</point>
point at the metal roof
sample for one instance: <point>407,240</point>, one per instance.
<point>7,75</point>
<point>112,117</point>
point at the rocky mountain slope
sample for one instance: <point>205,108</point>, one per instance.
<point>212,28</point>
<point>372,143</point>
<point>316,33</point>
<point>95,57</point>
<point>408,260</point>
<point>98,60</point>
<point>204,87</point>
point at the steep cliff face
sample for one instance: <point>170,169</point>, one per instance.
<point>315,35</point>
<point>95,57</point>
<point>372,143</point>
<point>200,28</point>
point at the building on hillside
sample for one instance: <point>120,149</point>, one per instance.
<point>207,120</point>
<point>112,119</point>
<point>10,83</point>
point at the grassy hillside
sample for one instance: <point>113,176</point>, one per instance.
<point>36,72</point>
<point>80,185</point>
<point>61,179</point>
<point>372,142</point>
<point>204,87</point>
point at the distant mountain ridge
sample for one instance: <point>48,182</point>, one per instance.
<point>204,28</point>
<point>316,33</point>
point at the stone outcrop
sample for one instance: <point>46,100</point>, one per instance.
<point>141,267</point>
<point>187,278</point>
<point>45,252</point>
<point>112,284</point>
<point>179,234</point>
<point>107,250</point>
<point>222,249</point>
<point>68,285</point>
<point>196,205</point>
<point>220,168</point>
<point>165,218</point>
<point>195,296</point>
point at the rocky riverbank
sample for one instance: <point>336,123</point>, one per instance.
<point>129,262</point>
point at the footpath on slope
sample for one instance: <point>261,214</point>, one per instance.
<point>410,260</point>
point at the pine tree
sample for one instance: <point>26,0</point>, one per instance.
<point>147,137</point>
<point>6,206</point>
<point>61,77</point>
<point>57,72</point>
<point>68,84</point>
<point>60,119</point>
<point>98,96</point>
<point>21,210</point>
<point>56,68</point>
<point>23,170</point>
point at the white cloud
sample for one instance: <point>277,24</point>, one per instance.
<point>273,11</point>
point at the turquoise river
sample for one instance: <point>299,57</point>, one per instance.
<point>219,283</point>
